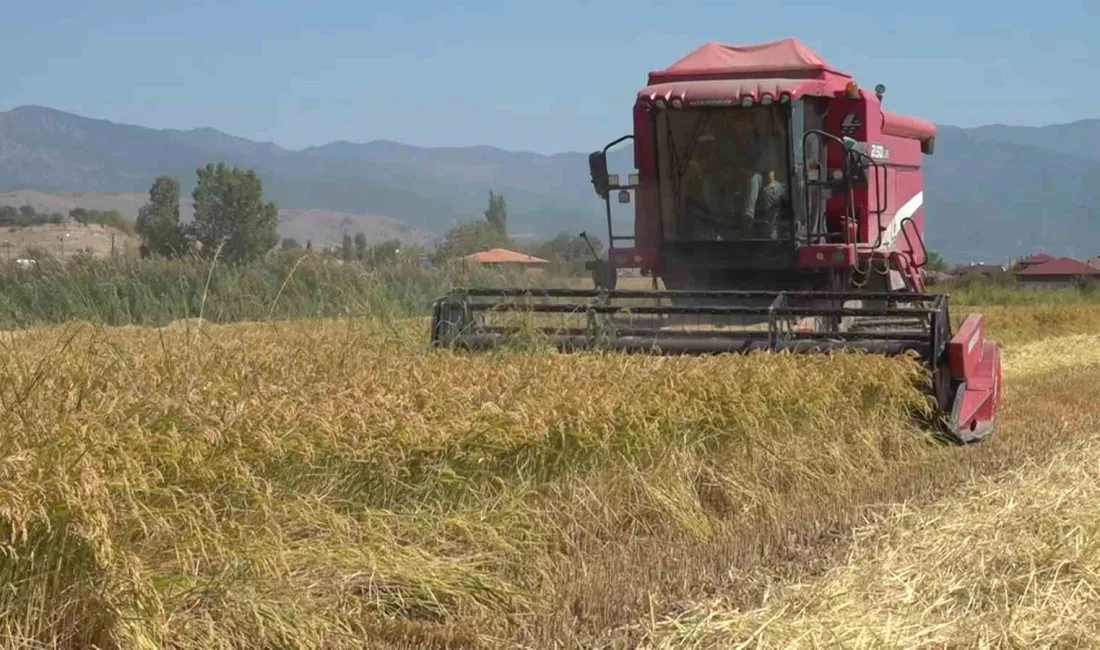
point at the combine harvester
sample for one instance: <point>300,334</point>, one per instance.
<point>781,207</point>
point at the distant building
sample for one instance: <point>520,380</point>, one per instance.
<point>504,258</point>
<point>1032,260</point>
<point>979,268</point>
<point>1057,273</point>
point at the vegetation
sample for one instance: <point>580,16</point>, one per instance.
<point>26,216</point>
<point>568,252</point>
<point>1012,560</point>
<point>497,213</point>
<point>468,237</point>
<point>158,221</point>
<point>1003,290</point>
<point>109,218</point>
<point>230,214</point>
<point>131,291</point>
<point>936,263</point>
<point>312,483</point>
<point>316,483</point>
<point>391,279</point>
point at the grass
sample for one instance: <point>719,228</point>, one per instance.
<point>1004,291</point>
<point>1015,325</point>
<point>126,290</point>
<point>130,291</point>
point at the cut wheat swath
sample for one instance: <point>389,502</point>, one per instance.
<point>1012,560</point>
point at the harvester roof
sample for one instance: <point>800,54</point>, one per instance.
<point>727,75</point>
<point>719,73</point>
<point>787,58</point>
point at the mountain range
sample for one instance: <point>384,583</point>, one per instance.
<point>991,192</point>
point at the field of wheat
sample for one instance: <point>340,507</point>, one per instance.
<point>318,483</point>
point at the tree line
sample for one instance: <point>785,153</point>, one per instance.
<point>26,216</point>
<point>234,222</point>
<point>566,250</point>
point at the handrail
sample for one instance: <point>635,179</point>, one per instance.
<point>905,233</point>
<point>882,196</point>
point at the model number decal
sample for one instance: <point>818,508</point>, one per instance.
<point>879,152</point>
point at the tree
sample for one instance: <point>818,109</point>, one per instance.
<point>290,244</point>
<point>158,221</point>
<point>109,218</point>
<point>346,250</point>
<point>230,213</point>
<point>381,253</point>
<point>936,263</point>
<point>360,246</point>
<point>9,215</point>
<point>497,213</point>
<point>79,215</point>
<point>568,249</point>
<point>309,244</point>
<point>469,237</point>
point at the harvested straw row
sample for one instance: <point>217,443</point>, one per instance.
<point>1012,561</point>
<point>310,484</point>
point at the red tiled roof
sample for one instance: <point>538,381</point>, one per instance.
<point>504,256</point>
<point>1060,266</point>
<point>1039,258</point>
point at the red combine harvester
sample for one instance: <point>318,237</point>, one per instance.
<point>781,207</point>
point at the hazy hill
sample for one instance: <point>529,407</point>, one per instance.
<point>990,199</point>
<point>49,150</point>
<point>1079,139</point>
<point>992,191</point>
<point>320,226</point>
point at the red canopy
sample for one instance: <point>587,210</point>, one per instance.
<point>783,58</point>
<point>719,74</point>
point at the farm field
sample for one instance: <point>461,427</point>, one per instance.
<point>64,241</point>
<point>315,482</point>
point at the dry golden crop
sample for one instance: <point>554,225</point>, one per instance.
<point>318,483</point>
<point>311,483</point>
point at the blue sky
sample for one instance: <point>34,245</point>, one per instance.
<point>542,76</point>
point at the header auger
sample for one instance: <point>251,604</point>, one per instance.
<point>782,209</point>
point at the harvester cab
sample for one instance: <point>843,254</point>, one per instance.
<point>782,209</point>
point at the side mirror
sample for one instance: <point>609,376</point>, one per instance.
<point>597,167</point>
